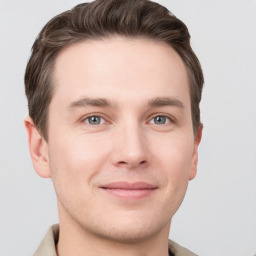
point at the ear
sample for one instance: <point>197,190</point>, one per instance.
<point>194,162</point>
<point>38,148</point>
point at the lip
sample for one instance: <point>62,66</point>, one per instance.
<point>127,190</point>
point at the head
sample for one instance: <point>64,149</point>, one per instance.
<point>103,19</point>
<point>113,90</point>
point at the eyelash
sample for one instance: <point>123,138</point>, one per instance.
<point>95,115</point>
<point>168,118</point>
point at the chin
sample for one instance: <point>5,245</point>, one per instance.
<point>130,230</point>
<point>130,234</point>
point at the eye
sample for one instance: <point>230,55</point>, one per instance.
<point>160,120</point>
<point>94,120</point>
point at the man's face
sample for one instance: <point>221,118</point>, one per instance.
<point>121,147</point>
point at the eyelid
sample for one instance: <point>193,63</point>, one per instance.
<point>102,120</point>
<point>171,118</point>
<point>82,119</point>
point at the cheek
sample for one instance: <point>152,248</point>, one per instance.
<point>175,152</point>
<point>74,161</point>
<point>174,158</point>
<point>177,171</point>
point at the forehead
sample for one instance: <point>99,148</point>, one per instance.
<point>119,66</point>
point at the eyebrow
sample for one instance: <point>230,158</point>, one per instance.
<point>165,101</point>
<point>102,102</point>
<point>95,102</point>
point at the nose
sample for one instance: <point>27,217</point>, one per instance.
<point>130,148</point>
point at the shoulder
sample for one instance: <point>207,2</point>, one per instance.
<point>47,246</point>
<point>179,250</point>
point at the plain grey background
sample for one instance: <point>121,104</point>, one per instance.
<point>218,215</point>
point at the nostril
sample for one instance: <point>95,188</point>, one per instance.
<point>132,164</point>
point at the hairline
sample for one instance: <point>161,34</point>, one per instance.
<point>93,38</point>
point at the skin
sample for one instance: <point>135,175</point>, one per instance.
<point>144,134</point>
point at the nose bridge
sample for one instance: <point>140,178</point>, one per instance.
<point>130,145</point>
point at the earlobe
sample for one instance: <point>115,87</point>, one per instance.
<point>194,163</point>
<point>38,148</point>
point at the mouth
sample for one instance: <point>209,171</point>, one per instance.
<point>130,191</point>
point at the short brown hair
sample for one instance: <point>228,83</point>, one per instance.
<point>100,19</point>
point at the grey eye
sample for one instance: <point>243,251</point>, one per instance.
<point>94,120</point>
<point>161,120</point>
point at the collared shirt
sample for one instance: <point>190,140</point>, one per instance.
<point>48,245</point>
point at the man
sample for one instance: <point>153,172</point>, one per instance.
<point>113,91</point>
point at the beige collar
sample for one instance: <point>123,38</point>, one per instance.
<point>47,246</point>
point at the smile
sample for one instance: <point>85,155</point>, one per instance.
<point>130,191</point>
